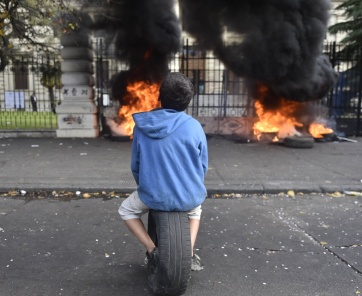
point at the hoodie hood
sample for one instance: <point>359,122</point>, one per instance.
<point>159,123</point>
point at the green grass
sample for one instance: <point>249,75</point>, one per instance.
<point>13,120</point>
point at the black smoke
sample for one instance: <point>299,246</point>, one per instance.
<point>280,42</point>
<point>144,33</point>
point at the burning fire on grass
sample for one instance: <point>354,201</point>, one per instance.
<point>284,118</point>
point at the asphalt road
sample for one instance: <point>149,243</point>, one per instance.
<point>253,245</point>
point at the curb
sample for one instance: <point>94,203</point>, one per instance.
<point>210,191</point>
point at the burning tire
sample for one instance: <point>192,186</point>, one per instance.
<point>299,141</point>
<point>170,232</point>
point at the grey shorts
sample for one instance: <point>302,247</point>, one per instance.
<point>133,208</point>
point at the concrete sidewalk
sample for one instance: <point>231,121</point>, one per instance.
<point>102,164</point>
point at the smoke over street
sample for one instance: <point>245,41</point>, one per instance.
<point>280,42</point>
<point>145,32</point>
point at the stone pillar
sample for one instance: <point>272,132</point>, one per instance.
<point>77,115</point>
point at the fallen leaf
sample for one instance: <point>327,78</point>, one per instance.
<point>291,193</point>
<point>335,194</point>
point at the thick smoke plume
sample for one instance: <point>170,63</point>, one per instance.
<point>144,32</point>
<point>281,42</point>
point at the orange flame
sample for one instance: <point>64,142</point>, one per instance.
<point>280,121</point>
<point>141,96</point>
<point>317,130</point>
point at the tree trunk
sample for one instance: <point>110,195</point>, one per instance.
<point>52,99</point>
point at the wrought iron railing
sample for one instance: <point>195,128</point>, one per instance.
<point>24,77</point>
<point>218,92</point>
<point>344,101</point>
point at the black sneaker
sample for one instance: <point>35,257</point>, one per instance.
<point>196,264</point>
<point>152,259</point>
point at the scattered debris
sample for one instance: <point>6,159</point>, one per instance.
<point>291,193</point>
<point>353,193</point>
<point>61,195</point>
<point>346,139</point>
<point>335,194</point>
<point>69,195</point>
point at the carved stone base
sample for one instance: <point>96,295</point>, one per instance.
<point>77,115</point>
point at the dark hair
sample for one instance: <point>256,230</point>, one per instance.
<point>176,92</point>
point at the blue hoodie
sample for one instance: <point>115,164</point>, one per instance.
<point>169,160</point>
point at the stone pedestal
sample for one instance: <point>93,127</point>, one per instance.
<point>77,115</point>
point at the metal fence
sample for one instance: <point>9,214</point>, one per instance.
<point>344,101</point>
<point>26,76</point>
<point>218,92</point>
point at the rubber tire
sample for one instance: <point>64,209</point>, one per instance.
<point>170,231</point>
<point>299,142</point>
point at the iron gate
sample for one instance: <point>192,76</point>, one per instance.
<point>219,94</point>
